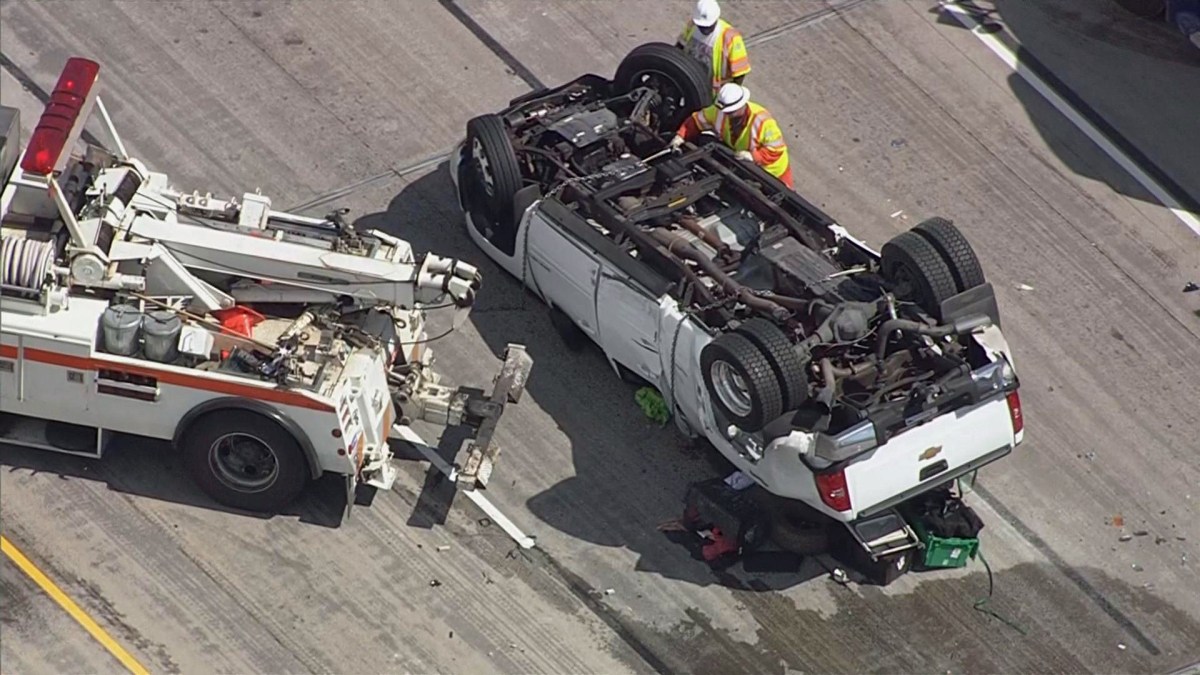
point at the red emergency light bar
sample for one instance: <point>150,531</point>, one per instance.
<point>62,113</point>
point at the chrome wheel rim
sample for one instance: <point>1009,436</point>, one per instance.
<point>731,388</point>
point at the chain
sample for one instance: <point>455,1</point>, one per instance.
<point>686,314</point>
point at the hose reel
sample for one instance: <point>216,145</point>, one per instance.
<point>25,263</point>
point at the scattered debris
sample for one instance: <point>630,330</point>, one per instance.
<point>1191,287</point>
<point>484,522</point>
<point>653,405</point>
<point>1149,585</point>
<point>897,213</point>
<point>1181,538</point>
<point>1024,287</point>
<point>1125,537</point>
<point>899,142</point>
<point>1121,646</point>
<point>443,548</point>
<point>434,583</point>
<point>841,169</point>
<point>738,481</point>
<point>451,635</point>
<point>1118,521</point>
<point>1159,541</point>
<point>609,591</point>
<point>1140,533</point>
<point>839,575</point>
<point>1136,567</point>
<point>1087,455</point>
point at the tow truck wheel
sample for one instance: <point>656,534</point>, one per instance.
<point>244,460</point>
<point>680,81</point>
<point>741,382</point>
<point>917,269</point>
<point>956,251</point>
<point>492,171</point>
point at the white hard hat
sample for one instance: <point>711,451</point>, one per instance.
<point>706,13</point>
<point>732,97</point>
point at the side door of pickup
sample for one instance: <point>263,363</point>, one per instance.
<point>564,271</point>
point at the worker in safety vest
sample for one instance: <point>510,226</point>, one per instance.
<point>714,43</point>
<point>745,127</point>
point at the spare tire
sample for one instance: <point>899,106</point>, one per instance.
<point>956,251</point>
<point>916,267</point>
<point>783,357</point>
<point>681,81</point>
<point>492,171</point>
<point>741,381</point>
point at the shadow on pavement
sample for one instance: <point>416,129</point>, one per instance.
<point>1131,77</point>
<point>147,467</point>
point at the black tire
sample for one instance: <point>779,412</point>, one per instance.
<point>492,169</point>
<point>216,469</point>
<point>681,80</point>
<point>956,251</point>
<point>917,268</point>
<point>784,359</point>
<point>1147,9</point>
<point>736,355</point>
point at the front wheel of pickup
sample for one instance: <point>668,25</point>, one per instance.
<point>741,381</point>
<point>491,173</point>
<point>681,82</point>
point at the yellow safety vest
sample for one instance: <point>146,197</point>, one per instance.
<point>722,51</point>
<point>761,131</point>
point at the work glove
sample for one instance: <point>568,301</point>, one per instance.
<point>744,155</point>
<point>676,143</point>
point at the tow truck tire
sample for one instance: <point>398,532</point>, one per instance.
<point>687,84</point>
<point>915,265</point>
<point>783,357</point>
<point>956,251</point>
<point>741,381</point>
<point>492,170</point>
<point>244,460</point>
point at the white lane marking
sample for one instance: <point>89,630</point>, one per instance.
<point>1082,123</point>
<point>523,540</point>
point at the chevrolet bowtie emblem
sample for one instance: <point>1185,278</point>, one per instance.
<point>930,453</point>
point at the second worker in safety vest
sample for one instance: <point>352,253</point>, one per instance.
<point>746,127</point>
<point>718,46</point>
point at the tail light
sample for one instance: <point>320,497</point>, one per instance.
<point>1014,411</point>
<point>834,491</point>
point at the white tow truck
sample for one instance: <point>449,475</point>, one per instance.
<point>269,347</point>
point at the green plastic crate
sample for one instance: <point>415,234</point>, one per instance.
<point>942,552</point>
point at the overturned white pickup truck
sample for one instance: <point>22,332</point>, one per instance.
<point>842,380</point>
<point>269,347</point>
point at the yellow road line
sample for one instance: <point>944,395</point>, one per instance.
<point>73,609</point>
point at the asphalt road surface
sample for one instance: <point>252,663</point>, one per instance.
<point>893,112</point>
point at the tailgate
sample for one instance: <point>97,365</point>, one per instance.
<point>929,455</point>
